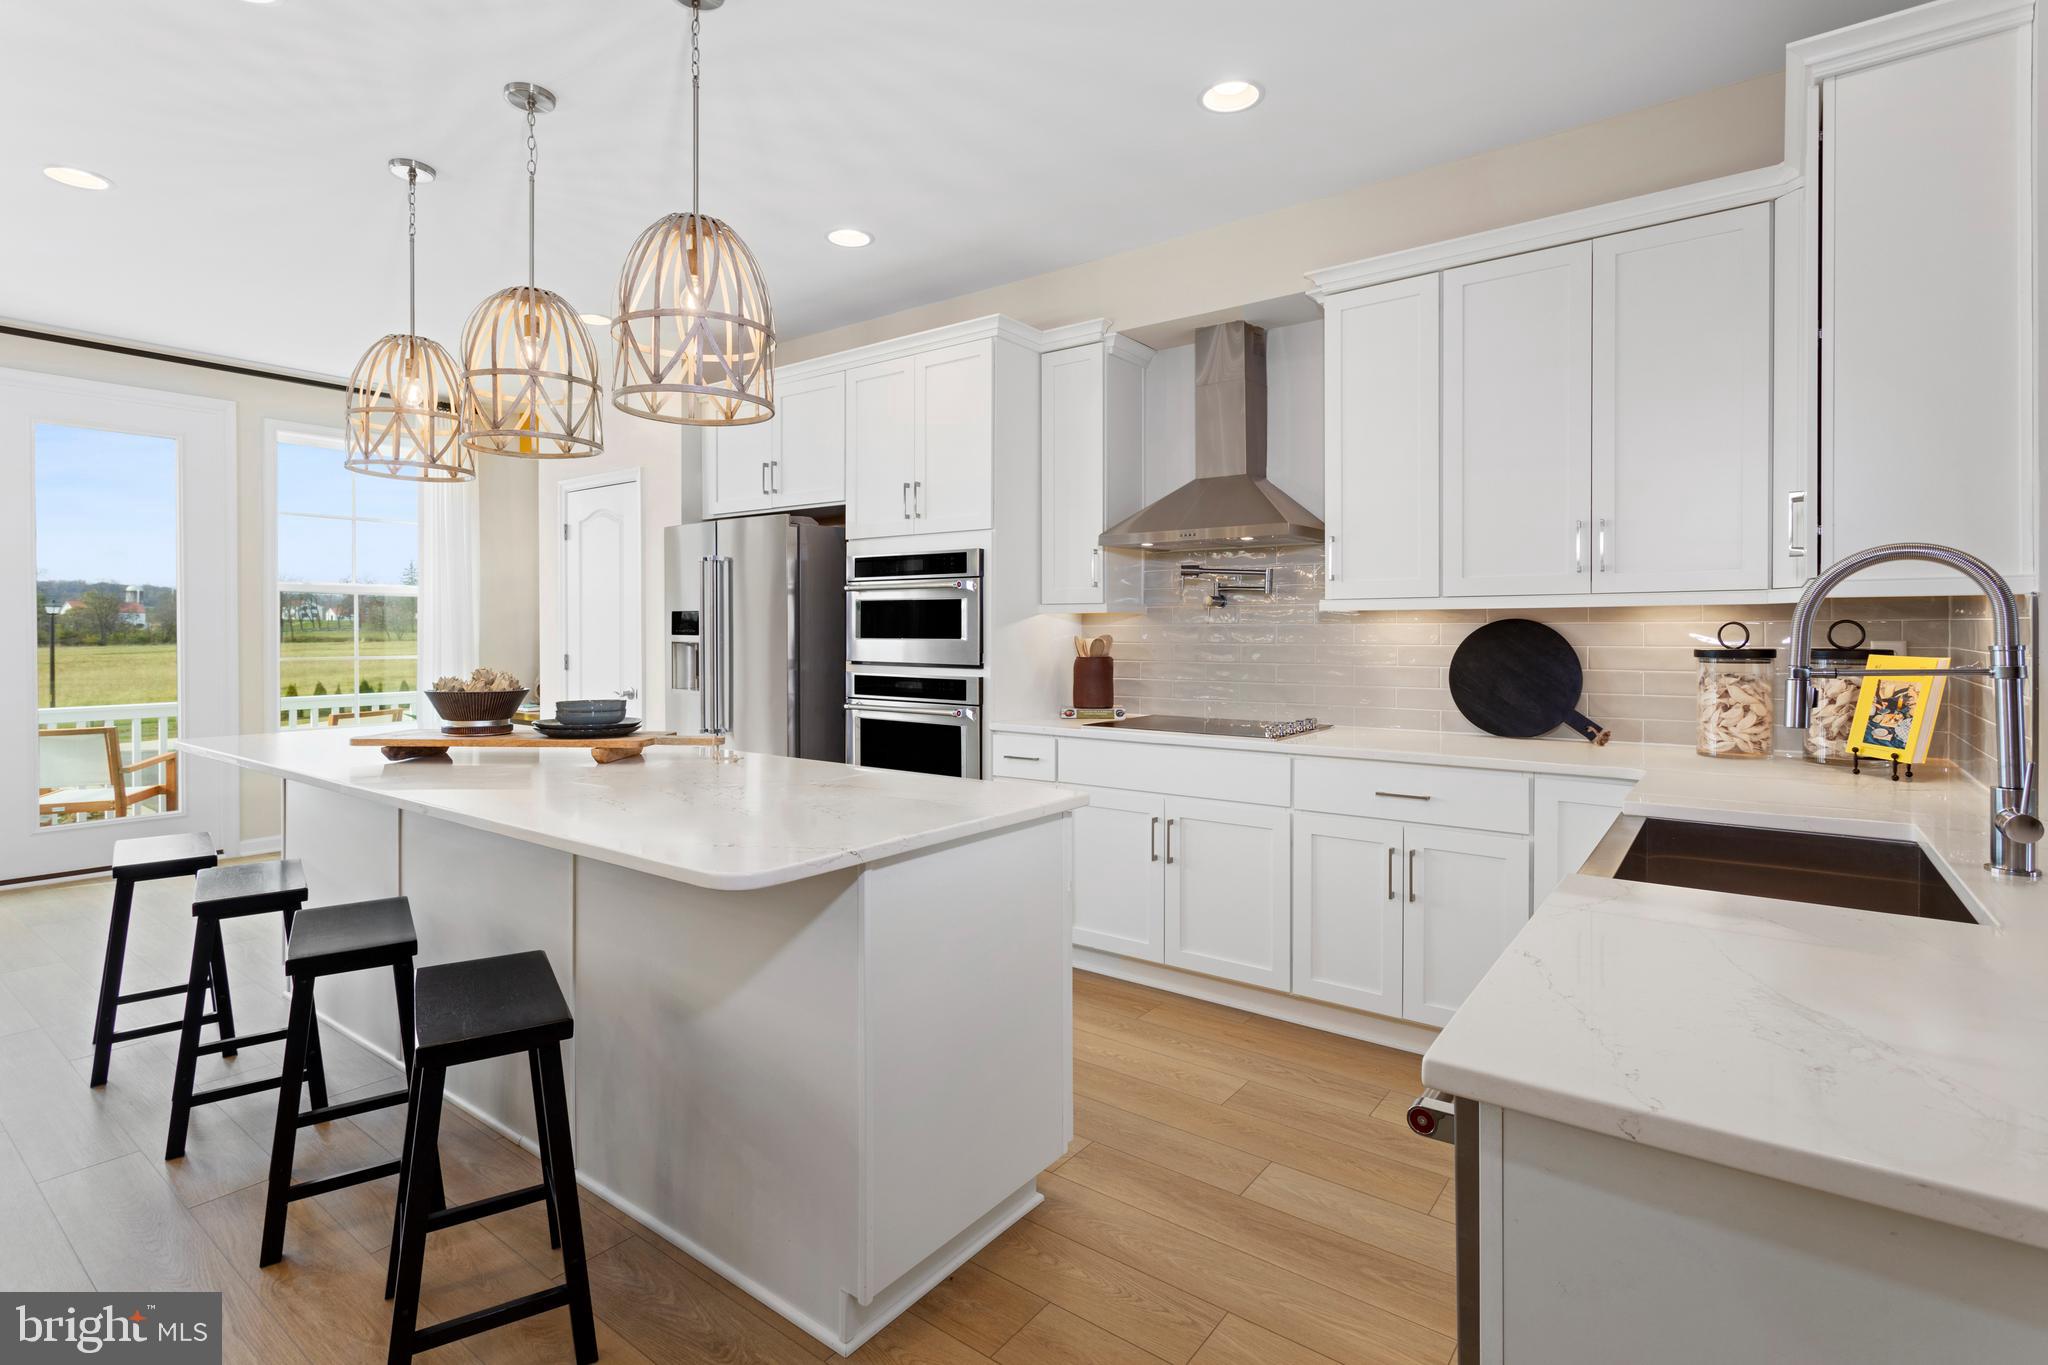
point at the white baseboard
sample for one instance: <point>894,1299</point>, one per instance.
<point>1369,1028</point>
<point>256,848</point>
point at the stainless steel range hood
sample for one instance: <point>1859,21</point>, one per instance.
<point>1229,504</point>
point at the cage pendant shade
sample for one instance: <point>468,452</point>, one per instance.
<point>405,413</point>
<point>530,378</point>
<point>695,329</point>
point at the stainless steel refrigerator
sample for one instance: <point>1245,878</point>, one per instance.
<point>757,633</point>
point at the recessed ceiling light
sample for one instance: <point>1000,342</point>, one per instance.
<point>594,319</point>
<point>1231,97</point>
<point>76,178</point>
<point>848,237</point>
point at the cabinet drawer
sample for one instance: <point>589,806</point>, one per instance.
<point>1030,756</point>
<point>1468,798</point>
<point>1169,770</point>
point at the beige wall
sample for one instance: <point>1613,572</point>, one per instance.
<point>1156,293</point>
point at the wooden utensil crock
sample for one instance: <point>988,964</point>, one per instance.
<point>1094,683</point>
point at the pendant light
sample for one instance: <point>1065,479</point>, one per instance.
<point>405,397</point>
<point>528,369</point>
<point>695,331</point>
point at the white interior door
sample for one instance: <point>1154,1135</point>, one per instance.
<point>1517,436</point>
<point>1682,405</point>
<point>1226,890</point>
<point>601,589</point>
<point>117,512</point>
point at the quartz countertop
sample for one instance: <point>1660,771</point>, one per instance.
<point>1902,1062</point>
<point>675,813</point>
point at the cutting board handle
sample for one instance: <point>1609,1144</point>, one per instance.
<point>1591,729</point>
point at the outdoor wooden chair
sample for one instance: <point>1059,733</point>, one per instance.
<point>81,773</point>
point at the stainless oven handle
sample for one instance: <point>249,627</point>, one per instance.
<point>924,713</point>
<point>880,586</point>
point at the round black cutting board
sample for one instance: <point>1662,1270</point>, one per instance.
<point>1519,679</point>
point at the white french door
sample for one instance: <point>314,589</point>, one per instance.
<point>117,618</point>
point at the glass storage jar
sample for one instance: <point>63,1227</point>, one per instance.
<point>1735,697</point>
<point>1834,699</point>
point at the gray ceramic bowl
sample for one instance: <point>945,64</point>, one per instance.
<point>592,712</point>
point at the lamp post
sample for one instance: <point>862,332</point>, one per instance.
<point>53,611</point>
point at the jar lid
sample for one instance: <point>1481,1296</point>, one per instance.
<point>1737,652</point>
<point>1839,653</point>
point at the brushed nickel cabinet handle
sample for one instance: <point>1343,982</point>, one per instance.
<point>1578,547</point>
<point>1155,838</point>
<point>764,477</point>
<point>1393,856</point>
<point>1095,567</point>
<point>1169,841</point>
<point>1794,547</point>
<point>775,476</point>
<point>917,496</point>
<point>1602,555</point>
<point>906,502</point>
<point>1021,758</point>
<point>1402,796</point>
<point>1411,874</point>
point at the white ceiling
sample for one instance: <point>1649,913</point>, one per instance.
<point>980,142</point>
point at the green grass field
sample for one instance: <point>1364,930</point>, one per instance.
<point>116,675</point>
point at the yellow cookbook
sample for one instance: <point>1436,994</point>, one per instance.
<point>1895,711</point>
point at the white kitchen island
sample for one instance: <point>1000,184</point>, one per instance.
<point>822,1013</point>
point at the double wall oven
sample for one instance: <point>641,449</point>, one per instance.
<point>913,645</point>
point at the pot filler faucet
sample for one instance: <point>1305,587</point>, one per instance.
<point>2015,828</point>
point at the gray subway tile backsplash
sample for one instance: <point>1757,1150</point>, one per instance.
<point>1281,656</point>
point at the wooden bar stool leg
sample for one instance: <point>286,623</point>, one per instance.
<point>223,1003</point>
<point>410,1246</point>
<point>110,979</point>
<point>285,1133</point>
<point>205,937</point>
<point>540,1133</point>
<point>559,1170</point>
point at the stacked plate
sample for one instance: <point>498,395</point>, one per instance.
<point>597,719</point>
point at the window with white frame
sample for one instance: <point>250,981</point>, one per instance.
<point>347,580</point>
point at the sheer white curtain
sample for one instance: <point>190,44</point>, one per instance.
<point>450,543</point>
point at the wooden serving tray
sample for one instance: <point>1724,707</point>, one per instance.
<point>431,743</point>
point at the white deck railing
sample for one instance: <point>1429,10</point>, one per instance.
<point>294,712</point>
<point>144,728</point>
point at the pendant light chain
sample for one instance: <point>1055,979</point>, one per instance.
<point>532,171</point>
<point>696,126</point>
<point>412,237</point>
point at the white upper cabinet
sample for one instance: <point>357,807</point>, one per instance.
<point>1682,405</point>
<point>797,458</point>
<point>1927,298</point>
<point>738,462</point>
<point>1092,431</point>
<point>809,465</point>
<point>1517,440</point>
<point>1380,389</point>
<point>881,448</point>
<point>952,488</point>
<point>1795,444</point>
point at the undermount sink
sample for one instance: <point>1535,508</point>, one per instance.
<point>1884,875</point>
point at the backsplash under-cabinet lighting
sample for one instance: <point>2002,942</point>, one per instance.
<point>1280,656</point>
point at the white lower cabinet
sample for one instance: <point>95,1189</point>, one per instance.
<point>1119,875</point>
<point>1465,895</point>
<point>1347,911</point>
<point>1401,919</point>
<point>1226,890</point>
<point>1573,814</point>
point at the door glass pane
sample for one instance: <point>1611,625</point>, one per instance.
<point>106,554</point>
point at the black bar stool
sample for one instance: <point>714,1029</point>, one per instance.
<point>467,1012</point>
<point>146,860</point>
<point>231,893</point>
<point>327,941</point>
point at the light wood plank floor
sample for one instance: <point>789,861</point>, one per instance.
<point>1239,1192</point>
